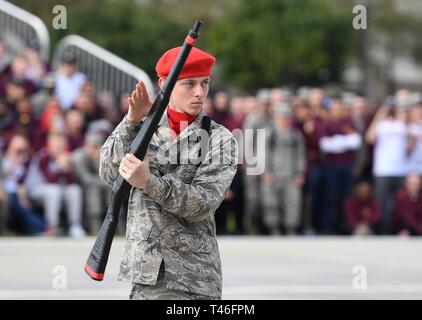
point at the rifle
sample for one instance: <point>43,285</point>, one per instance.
<point>98,257</point>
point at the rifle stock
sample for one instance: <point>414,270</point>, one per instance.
<point>98,257</point>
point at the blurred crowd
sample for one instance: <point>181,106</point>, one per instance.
<point>334,164</point>
<point>52,127</point>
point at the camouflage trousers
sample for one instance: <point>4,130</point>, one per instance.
<point>97,196</point>
<point>160,292</point>
<point>253,196</point>
<point>282,203</point>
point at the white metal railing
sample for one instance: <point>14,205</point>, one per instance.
<point>18,27</point>
<point>106,70</point>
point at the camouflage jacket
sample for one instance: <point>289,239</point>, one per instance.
<point>172,219</point>
<point>286,153</point>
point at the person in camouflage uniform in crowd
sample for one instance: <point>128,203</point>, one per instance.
<point>171,249</point>
<point>284,175</point>
<point>258,120</point>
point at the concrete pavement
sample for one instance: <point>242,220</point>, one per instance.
<point>253,268</point>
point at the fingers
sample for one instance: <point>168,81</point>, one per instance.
<point>134,96</point>
<point>131,158</point>
<point>137,93</point>
<point>139,98</point>
<point>122,171</point>
<point>144,89</point>
<point>129,162</point>
<point>134,100</point>
<point>140,90</point>
<point>125,168</point>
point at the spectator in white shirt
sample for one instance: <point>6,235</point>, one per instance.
<point>388,134</point>
<point>69,82</point>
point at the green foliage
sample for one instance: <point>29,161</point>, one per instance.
<point>269,42</point>
<point>139,34</point>
<point>257,43</point>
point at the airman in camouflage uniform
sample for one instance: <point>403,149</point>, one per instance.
<point>284,175</point>
<point>260,119</point>
<point>171,250</point>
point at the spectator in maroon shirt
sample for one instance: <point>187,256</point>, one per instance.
<point>14,166</point>
<point>51,180</point>
<point>310,127</point>
<point>236,192</point>
<point>17,70</point>
<point>407,215</point>
<point>221,110</point>
<point>26,123</point>
<point>222,115</point>
<point>362,210</point>
<point>339,142</point>
<point>237,110</point>
<point>310,124</point>
<point>87,104</point>
<point>14,91</point>
<point>75,128</point>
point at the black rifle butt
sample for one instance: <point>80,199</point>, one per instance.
<point>98,257</point>
<point>97,260</point>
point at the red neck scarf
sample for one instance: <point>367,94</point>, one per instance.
<point>178,121</point>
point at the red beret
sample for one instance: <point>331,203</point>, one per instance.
<point>198,63</point>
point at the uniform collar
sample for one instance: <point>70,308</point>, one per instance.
<point>164,127</point>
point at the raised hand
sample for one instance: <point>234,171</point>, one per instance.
<point>139,103</point>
